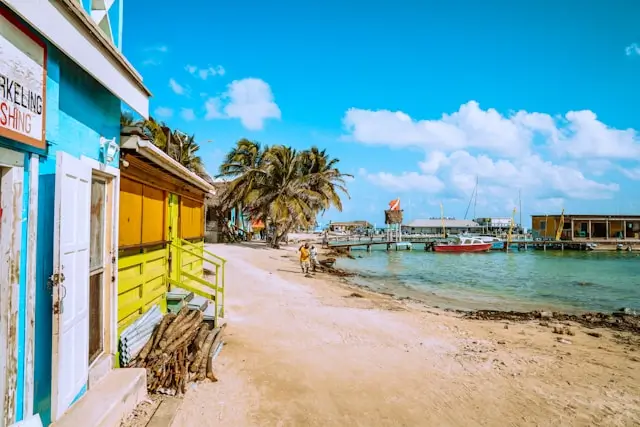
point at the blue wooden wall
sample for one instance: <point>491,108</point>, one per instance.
<point>79,111</point>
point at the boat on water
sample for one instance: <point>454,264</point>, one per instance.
<point>496,243</point>
<point>463,244</point>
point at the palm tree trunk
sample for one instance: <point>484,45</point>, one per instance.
<point>238,213</point>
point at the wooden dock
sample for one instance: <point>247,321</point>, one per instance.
<point>428,243</point>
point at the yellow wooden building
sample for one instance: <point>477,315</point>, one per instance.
<point>161,232</point>
<point>586,227</point>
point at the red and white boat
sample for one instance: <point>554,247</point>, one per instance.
<point>463,244</point>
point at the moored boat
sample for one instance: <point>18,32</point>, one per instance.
<point>463,244</point>
<point>496,243</point>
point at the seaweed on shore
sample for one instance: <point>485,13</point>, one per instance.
<point>618,321</point>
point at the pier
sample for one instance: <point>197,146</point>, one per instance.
<point>517,244</point>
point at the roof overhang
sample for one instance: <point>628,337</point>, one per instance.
<point>66,25</point>
<point>158,157</point>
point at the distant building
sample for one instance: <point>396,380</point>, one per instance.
<point>586,227</point>
<point>434,226</point>
<point>349,226</point>
<point>497,225</point>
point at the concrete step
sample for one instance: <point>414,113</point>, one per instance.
<point>109,401</point>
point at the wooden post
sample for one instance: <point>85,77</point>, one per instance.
<point>589,234</point>
<point>624,229</point>
<point>607,225</point>
<point>573,233</point>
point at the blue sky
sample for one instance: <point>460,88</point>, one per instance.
<point>416,99</point>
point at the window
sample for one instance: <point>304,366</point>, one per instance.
<point>96,268</point>
<point>543,225</point>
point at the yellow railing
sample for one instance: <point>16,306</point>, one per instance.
<point>187,276</point>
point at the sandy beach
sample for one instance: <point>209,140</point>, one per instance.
<point>316,351</point>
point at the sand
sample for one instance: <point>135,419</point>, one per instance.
<point>317,351</point>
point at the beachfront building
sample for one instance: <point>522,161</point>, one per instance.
<point>349,226</point>
<point>162,231</point>
<point>63,80</point>
<point>434,226</point>
<point>498,226</point>
<point>584,227</point>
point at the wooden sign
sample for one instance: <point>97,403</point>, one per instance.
<point>23,77</point>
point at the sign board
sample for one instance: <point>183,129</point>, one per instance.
<point>23,75</point>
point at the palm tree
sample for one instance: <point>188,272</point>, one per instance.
<point>126,119</point>
<point>184,149</point>
<point>326,178</point>
<point>280,185</point>
<point>243,165</point>
<point>283,192</point>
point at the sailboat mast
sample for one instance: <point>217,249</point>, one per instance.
<point>520,207</point>
<point>475,200</point>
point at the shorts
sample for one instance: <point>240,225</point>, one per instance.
<point>305,264</point>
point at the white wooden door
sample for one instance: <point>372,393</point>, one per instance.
<point>70,282</point>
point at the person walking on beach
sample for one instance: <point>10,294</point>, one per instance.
<point>304,258</point>
<point>314,257</point>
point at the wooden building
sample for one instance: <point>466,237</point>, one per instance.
<point>603,228</point>
<point>162,228</point>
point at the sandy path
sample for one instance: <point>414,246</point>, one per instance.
<point>300,352</point>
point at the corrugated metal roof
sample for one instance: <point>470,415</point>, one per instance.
<point>435,223</point>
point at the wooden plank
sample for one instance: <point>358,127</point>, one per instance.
<point>130,216</point>
<point>10,244</point>
<point>32,233</point>
<point>166,412</point>
<point>153,221</point>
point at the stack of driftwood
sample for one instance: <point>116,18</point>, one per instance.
<point>181,350</point>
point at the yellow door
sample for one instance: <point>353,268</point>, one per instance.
<point>173,234</point>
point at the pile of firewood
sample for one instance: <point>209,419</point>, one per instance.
<point>180,351</point>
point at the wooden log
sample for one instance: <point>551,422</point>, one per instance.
<point>187,333</point>
<point>202,368</point>
<point>182,314</point>
<point>214,345</point>
<point>199,343</point>
<point>166,322</point>
<point>184,326</point>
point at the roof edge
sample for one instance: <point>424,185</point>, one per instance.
<point>161,159</point>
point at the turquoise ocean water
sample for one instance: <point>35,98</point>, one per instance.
<point>529,280</point>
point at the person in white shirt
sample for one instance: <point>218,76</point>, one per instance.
<point>314,257</point>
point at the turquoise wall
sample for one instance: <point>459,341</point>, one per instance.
<point>79,111</point>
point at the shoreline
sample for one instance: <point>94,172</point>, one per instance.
<point>623,319</point>
<point>322,351</point>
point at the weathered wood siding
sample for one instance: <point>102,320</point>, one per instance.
<point>141,284</point>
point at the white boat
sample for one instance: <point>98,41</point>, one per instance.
<point>496,243</point>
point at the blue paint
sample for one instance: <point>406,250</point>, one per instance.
<point>22,293</point>
<point>86,5</point>
<point>44,300</point>
<point>81,393</point>
<point>79,111</point>
<point>114,20</point>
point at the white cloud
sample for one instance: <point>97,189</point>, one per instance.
<point>633,174</point>
<point>578,134</point>
<point>584,136</point>
<point>163,112</point>
<point>407,181</point>
<point>177,87</point>
<point>504,152</point>
<point>205,73</point>
<point>188,114</point>
<point>250,100</point>
<point>213,108</point>
<point>632,49</point>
